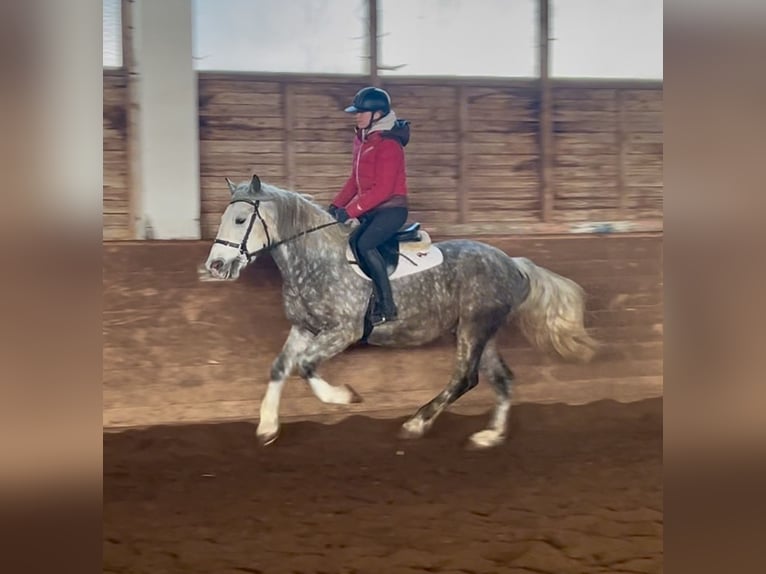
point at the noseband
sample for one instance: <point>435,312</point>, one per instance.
<point>242,246</point>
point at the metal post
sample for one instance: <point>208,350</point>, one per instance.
<point>546,115</point>
<point>372,40</point>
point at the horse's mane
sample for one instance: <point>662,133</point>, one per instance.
<point>294,212</point>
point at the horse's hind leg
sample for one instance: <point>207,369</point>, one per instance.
<point>500,377</point>
<point>470,345</point>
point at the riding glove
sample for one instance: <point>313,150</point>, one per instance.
<point>341,215</point>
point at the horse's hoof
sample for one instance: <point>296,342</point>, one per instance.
<point>413,428</point>
<point>485,439</point>
<point>265,438</point>
<point>355,397</point>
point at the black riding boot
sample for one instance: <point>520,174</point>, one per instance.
<point>385,308</point>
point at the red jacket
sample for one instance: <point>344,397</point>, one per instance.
<point>378,171</point>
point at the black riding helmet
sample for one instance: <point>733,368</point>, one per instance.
<point>371,99</point>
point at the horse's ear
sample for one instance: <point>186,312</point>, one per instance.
<point>255,184</point>
<point>232,187</point>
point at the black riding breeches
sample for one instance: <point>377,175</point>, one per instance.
<point>376,228</point>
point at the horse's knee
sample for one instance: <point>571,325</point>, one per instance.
<point>306,369</point>
<point>280,368</point>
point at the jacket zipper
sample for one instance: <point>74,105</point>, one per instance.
<point>358,157</point>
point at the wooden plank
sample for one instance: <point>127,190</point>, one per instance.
<point>546,126</point>
<point>503,188</point>
<point>502,216</point>
<point>433,216</point>
<point>578,203</point>
<point>621,155</point>
<point>643,177</point>
<point>597,173</point>
<point>647,198</point>
<point>418,92</point>
<point>134,179</point>
<point>640,161</point>
<point>418,182</point>
<point>288,120</point>
<point>585,159</point>
<point>463,167</point>
<point>116,221</point>
<point>224,147</point>
<point>564,107</point>
<point>511,163</point>
<point>437,81</point>
<point>643,122</point>
<point>576,145</point>
<point>246,124</point>
<point>636,138</point>
<point>508,203</point>
<point>211,109</point>
<point>233,84</point>
<point>583,93</point>
<point>425,169</point>
<point>419,200</point>
<point>585,191</point>
<point>503,125</point>
<point>503,107</point>
<point>223,133</point>
<point>509,146</point>
<point>643,100</point>
<point>596,214</point>
<point>494,137</point>
<point>527,179</point>
<point>641,148</point>
<point>583,126</point>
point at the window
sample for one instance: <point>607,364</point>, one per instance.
<point>606,38</point>
<point>458,37</point>
<point>303,36</point>
<point>112,34</point>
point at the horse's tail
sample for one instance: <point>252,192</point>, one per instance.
<point>553,313</point>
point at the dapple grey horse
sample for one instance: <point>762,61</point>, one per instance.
<point>472,293</point>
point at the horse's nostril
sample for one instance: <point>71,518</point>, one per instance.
<point>216,264</point>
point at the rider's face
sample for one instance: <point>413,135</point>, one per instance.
<point>363,119</point>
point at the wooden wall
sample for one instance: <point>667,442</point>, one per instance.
<point>473,159</point>
<point>116,190</point>
<point>608,154</point>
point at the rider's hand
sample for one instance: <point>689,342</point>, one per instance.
<point>341,215</point>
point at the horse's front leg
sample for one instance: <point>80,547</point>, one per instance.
<point>320,348</point>
<point>281,368</point>
<point>306,351</point>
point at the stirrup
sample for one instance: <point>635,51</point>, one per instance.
<point>378,317</point>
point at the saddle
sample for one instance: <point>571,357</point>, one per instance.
<point>408,242</point>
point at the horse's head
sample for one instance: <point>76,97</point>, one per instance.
<point>246,228</point>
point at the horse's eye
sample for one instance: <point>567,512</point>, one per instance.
<point>239,220</point>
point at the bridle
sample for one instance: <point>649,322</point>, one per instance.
<point>242,246</point>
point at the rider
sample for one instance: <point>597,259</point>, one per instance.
<point>376,191</point>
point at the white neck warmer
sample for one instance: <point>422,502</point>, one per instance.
<point>383,124</point>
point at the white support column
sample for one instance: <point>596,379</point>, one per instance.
<point>164,106</point>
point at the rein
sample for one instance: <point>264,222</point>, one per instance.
<point>242,246</point>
